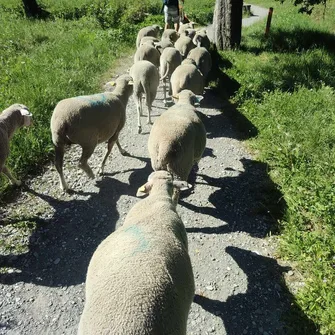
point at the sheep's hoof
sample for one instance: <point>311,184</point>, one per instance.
<point>100,172</point>
<point>149,122</point>
<point>125,153</point>
<point>139,131</point>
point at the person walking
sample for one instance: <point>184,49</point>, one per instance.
<point>171,13</point>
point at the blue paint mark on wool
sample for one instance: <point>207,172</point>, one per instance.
<point>143,244</point>
<point>94,100</point>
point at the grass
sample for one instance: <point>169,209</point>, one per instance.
<point>286,89</point>
<point>44,61</point>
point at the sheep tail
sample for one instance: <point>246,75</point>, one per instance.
<point>166,72</point>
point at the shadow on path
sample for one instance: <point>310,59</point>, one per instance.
<point>61,246</point>
<point>249,202</point>
<point>264,307</point>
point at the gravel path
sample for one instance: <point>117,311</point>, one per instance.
<point>228,216</point>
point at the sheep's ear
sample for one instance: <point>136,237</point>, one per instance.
<point>112,83</point>
<point>130,82</point>
<point>175,96</point>
<point>181,185</point>
<point>198,98</point>
<point>143,190</point>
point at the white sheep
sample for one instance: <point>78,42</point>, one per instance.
<point>146,80</point>
<point>149,40</point>
<point>183,27</point>
<point>189,32</point>
<point>140,278</point>
<point>178,138</point>
<point>203,60</point>
<point>170,35</point>
<point>147,52</point>
<point>12,118</point>
<point>201,39</point>
<point>87,121</point>
<point>153,30</point>
<point>184,45</point>
<point>187,76</point>
<point>170,59</point>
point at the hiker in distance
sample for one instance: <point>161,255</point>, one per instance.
<point>171,13</point>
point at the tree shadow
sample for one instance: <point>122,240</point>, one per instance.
<point>266,304</point>
<point>61,246</point>
<point>249,202</point>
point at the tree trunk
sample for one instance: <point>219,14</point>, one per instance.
<point>227,23</point>
<point>32,9</point>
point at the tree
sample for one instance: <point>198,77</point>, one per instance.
<point>306,6</point>
<point>227,23</point>
<point>32,9</point>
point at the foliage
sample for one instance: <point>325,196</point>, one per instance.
<point>44,61</point>
<point>286,89</point>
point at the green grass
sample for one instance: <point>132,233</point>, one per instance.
<point>287,91</point>
<point>44,61</point>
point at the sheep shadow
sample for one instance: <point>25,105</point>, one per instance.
<point>267,306</point>
<point>61,246</point>
<point>249,202</point>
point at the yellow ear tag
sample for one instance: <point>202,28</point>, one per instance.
<point>142,188</point>
<point>112,83</point>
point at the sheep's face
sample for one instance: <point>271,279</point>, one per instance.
<point>27,117</point>
<point>162,177</point>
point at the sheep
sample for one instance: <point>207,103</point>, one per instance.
<point>163,44</point>
<point>146,81</point>
<point>147,52</point>
<point>185,26</point>
<point>149,40</point>
<point>203,60</point>
<point>140,278</point>
<point>170,59</point>
<point>187,76</point>
<point>87,121</point>
<point>201,39</point>
<point>178,138</point>
<point>153,30</point>
<point>189,32</point>
<point>170,35</point>
<point>12,118</point>
<point>184,45</point>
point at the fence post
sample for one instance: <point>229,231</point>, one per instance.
<point>268,23</point>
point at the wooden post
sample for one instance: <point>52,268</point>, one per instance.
<point>268,23</point>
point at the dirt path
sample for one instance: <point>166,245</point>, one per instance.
<point>228,216</point>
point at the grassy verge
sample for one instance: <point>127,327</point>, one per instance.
<point>287,91</point>
<point>44,61</point>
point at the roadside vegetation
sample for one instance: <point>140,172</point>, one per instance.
<point>285,87</point>
<point>286,90</point>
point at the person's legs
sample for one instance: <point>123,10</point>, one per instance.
<point>167,17</point>
<point>176,18</point>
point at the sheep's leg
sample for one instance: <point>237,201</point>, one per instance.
<point>85,155</point>
<point>110,145</point>
<point>139,113</point>
<point>122,151</point>
<point>13,180</point>
<point>164,91</point>
<point>59,156</point>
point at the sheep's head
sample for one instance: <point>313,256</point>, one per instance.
<point>159,177</point>
<point>188,97</point>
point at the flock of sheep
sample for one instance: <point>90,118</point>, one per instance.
<point>140,278</point>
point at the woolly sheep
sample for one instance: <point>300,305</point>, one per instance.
<point>201,39</point>
<point>140,278</point>
<point>170,59</point>
<point>187,76</point>
<point>183,27</point>
<point>87,121</point>
<point>149,40</point>
<point>189,32</point>
<point>153,30</point>
<point>12,118</point>
<point>147,52</point>
<point>178,138</point>
<point>146,81</point>
<point>170,35</point>
<point>184,45</point>
<point>202,58</point>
